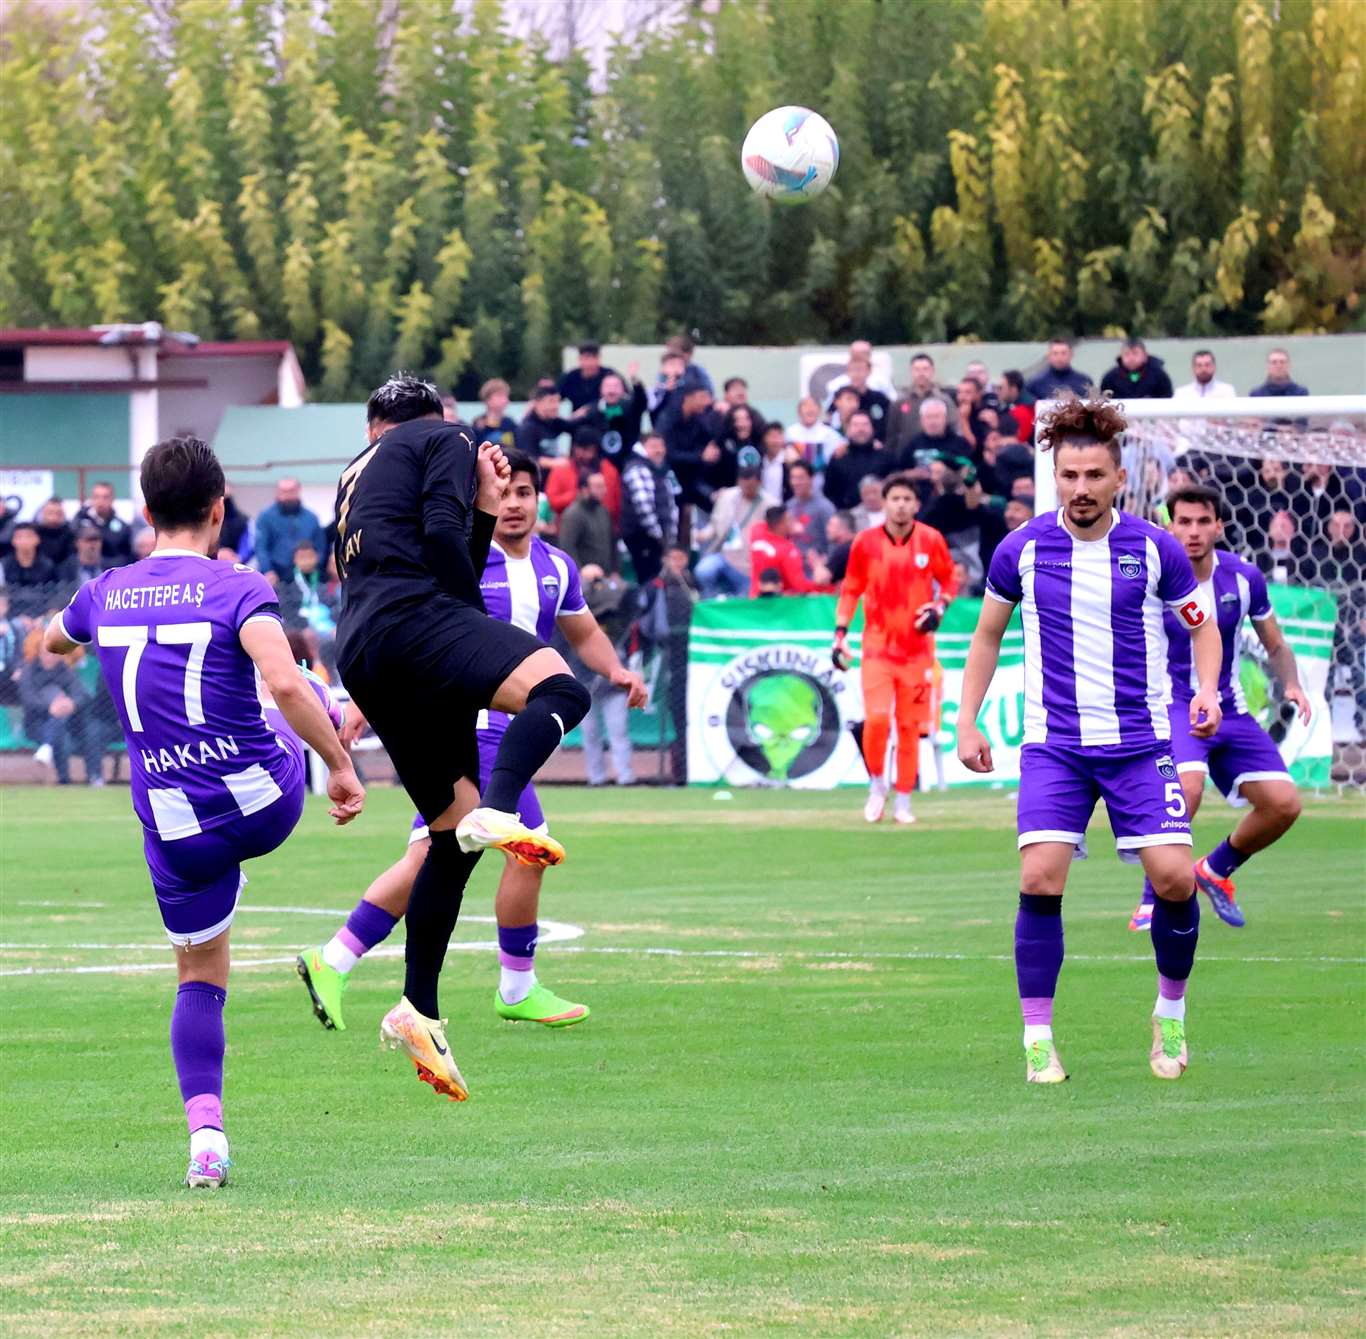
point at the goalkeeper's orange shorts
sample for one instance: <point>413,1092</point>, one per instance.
<point>900,692</point>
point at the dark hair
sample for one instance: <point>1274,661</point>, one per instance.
<point>1202,353</point>
<point>1196,495</point>
<point>848,518</point>
<point>587,435</point>
<point>922,357</point>
<point>898,481</point>
<point>1014,377</point>
<point>847,390</point>
<point>735,381</point>
<point>402,398</point>
<point>181,480</point>
<point>801,465</point>
<point>102,483</point>
<point>770,576</point>
<point>766,428</point>
<point>645,437</point>
<point>1063,339</point>
<point>1097,422</point>
<point>774,515</point>
<point>24,525</point>
<point>590,346</point>
<point>521,463</point>
<point>306,544</point>
<point>1133,342</point>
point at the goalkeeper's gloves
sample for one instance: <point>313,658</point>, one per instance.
<point>839,650</point>
<point>928,616</point>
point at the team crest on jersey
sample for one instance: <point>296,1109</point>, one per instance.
<point>1129,566</point>
<point>922,559</point>
<point>1166,768</point>
<point>551,583</point>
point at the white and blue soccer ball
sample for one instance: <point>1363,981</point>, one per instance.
<point>790,155</point>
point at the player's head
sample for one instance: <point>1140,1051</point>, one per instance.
<point>1084,438</point>
<point>517,515</point>
<point>183,487</point>
<point>402,398</point>
<point>900,501</point>
<point>1196,513</point>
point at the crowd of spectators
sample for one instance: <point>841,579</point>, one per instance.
<point>666,494</point>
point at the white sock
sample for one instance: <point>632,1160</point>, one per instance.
<point>1165,1008</point>
<point>337,956</point>
<point>903,800</point>
<point>514,987</point>
<point>877,785</point>
<point>1037,1032</point>
<point>208,1140</point>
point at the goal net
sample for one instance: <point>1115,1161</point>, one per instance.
<point>1292,473</point>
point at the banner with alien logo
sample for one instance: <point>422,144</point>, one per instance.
<point>767,708</point>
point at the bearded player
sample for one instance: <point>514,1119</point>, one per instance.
<point>421,658</point>
<point>1240,757</point>
<point>1092,584</point>
<point>216,778</point>
<point>533,586</point>
<point>903,573</point>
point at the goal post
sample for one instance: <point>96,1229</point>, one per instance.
<point>1292,473</point>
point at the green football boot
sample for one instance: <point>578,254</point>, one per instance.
<point>326,986</point>
<point>541,1006</point>
<point>1168,1058</point>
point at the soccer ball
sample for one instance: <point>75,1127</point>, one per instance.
<point>790,154</point>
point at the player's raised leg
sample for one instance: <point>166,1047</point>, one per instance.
<point>1275,807</point>
<point>547,702</point>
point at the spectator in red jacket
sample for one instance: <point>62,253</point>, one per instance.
<point>565,477</point>
<point>771,548</point>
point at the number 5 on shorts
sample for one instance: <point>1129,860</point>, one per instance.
<point>1176,800</point>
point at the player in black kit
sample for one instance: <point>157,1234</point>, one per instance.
<point>416,650</point>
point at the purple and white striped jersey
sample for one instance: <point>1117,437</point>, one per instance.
<point>166,631</point>
<point>531,592</point>
<point>1235,590</point>
<point>1092,610</point>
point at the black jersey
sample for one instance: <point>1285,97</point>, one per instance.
<point>405,508</point>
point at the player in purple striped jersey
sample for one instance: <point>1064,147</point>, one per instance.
<point>534,586</point>
<point>1092,584</point>
<point>216,777</point>
<point>1240,757</point>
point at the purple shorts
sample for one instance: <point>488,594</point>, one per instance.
<point>490,736</point>
<point>197,880</point>
<point>1059,788</point>
<point>1239,750</point>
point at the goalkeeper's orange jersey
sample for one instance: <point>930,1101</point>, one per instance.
<point>895,578</point>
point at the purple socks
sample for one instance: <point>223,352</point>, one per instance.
<point>1038,955</point>
<point>197,1046</point>
<point>517,946</point>
<point>1225,858</point>
<point>365,927</point>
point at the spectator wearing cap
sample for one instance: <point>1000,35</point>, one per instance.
<point>56,538</point>
<point>1016,402</point>
<point>904,420</point>
<point>649,507</point>
<point>1137,375</point>
<point>86,563</point>
<point>808,510</point>
<point>864,455</point>
<point>587,533</point>
<point>817,441</point>
<point>618,414</point>
<point>29,577</point>
<point>724,567</point>
<point>872,402</point>
<point>1058,378</point>
<point>840,530</point>
<point>116,535</point>
<point>494,425</point>
<point>539,432</point>
<point>565,477</point>
<point>582,385</point>
<point>771,548</point>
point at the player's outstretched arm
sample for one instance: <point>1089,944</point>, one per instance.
<point>983,656</point>
<point>1282,661</point>
<point>264,641</point>
<point>593,646</point>
<point>1207,652</point>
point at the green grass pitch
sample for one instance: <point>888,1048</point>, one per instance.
<point>798,1108</point>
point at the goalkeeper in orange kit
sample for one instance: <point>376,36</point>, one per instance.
<point>904,575</point>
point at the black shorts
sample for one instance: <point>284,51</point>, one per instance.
<point>422,686</point>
